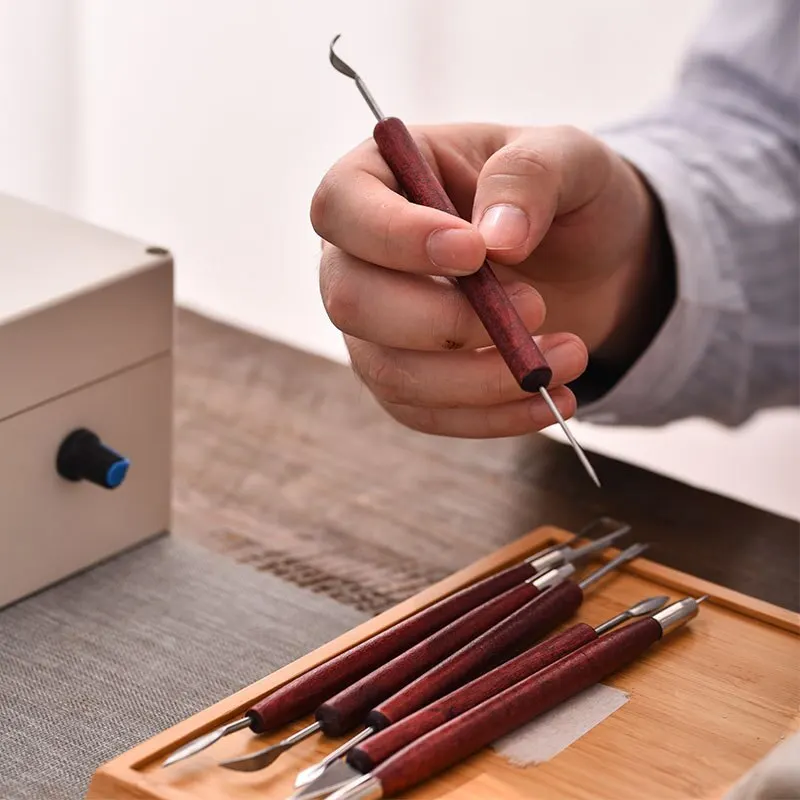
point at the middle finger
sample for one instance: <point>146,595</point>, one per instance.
<point>411,312</point>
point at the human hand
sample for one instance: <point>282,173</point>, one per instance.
<point>554,208</point>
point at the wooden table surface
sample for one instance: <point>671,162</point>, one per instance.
<point>285,462</point>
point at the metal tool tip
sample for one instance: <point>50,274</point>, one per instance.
<point>192,748</point>
<point>634,550</point>
<point>256,761</point>
<point>649,606</point>
<point>701,599</point>
<point>246,764</point>
<point>568,433</point>
<point>337,63</point>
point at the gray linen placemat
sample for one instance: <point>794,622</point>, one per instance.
<point>105,660</point>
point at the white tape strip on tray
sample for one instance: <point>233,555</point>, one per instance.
<point>556,730</point>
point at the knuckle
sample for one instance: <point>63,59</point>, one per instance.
<point>320,204</point>
<point>450,325</point>
<point>567,133</point>
<point>493,387</point>
<point>377,371</point>
<point>340,296</point>
<point>526,161</point>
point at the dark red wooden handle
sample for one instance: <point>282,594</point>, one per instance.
<point>535,619</point>
<point>482,288</point>
<point>469,732</point>
<point>304,694</point>
<point>350,707</point>
<point>386,742</point>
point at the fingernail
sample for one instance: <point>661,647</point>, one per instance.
<point>453,250</point>
<point>504,227</point>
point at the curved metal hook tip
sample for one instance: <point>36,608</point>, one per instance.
<point>348,71</point>
<point>338,64</point>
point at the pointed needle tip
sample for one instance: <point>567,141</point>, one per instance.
<point>701,599</point>
<point>568,433</point>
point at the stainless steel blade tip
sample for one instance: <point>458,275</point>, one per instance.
<point>308,774</point>
<point>634,551</point>
<point>649,606</point>
<point>194,747</point>
<point>596,544</point>
<point>255,761</point>
<point>337,775</point>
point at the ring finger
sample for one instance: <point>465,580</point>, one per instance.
<point>467,378</point>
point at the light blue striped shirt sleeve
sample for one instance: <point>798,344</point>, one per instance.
<point>723,155</point>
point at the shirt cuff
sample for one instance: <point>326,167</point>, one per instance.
<point>649,393</point>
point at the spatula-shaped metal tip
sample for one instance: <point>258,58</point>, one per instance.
<point>263,758</point>
<point>256,761</point>
<point>315,770</point>
<point>648,606</point>
<point>337,775</point>
<point>206,740</point>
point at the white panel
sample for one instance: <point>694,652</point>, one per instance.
<point>51,527</point>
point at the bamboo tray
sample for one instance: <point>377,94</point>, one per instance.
<point>705,705</point>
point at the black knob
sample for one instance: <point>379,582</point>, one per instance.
<point>82,456</point>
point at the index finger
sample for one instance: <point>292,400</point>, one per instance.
<point>357,208</point>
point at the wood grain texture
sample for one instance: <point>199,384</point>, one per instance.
<point>303,695</point>
<point>285,463</point>
<point>349,708</point>
<point>716,700</point>
<point>534,620</point>
<point>403,731</point>
<point>482,288</point>
<point>468,733</point>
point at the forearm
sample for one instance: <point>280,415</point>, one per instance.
<point>640,295</point>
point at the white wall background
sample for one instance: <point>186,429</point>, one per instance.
<point>206,126</point>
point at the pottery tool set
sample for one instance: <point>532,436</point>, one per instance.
<point>413,702</point>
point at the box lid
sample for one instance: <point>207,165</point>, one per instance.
<point>77,303</point>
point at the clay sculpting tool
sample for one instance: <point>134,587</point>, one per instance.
<point>558,599</point>
<point>304,694</point>
<point>492,719</point>
<point>446,676</point>
<point>482,289</point>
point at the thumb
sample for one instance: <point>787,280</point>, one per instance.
<point>538,175</point>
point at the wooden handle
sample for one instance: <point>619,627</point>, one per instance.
<point>385,743</point>
<point>304,694</point>
<point>482,288</point>
<point>517,705</point>
<point>529,623</point>
<point>350,707</point>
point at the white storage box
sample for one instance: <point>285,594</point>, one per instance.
<point>86,327</point>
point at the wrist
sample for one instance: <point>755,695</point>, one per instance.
<point>644,289</point>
